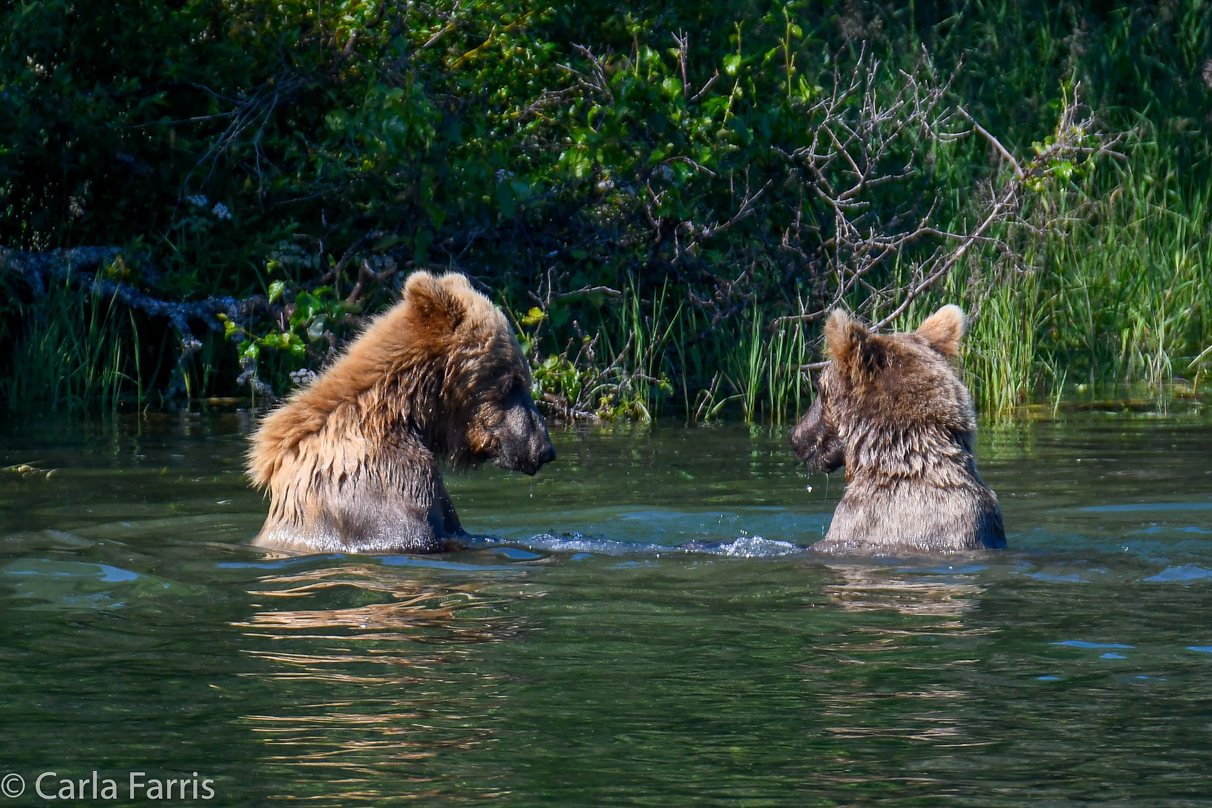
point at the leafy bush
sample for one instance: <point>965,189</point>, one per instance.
<point>647,178</point>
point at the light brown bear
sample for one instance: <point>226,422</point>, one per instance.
<point>351,460</point>
<point>892,409</point>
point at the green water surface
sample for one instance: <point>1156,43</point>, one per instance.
<point>578,657</point>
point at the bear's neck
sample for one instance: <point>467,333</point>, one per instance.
<point>923,454</point>
<point>409,405</point>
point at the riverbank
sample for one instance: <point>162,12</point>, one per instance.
<point>666,200</point>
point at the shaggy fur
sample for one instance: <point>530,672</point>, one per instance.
<point>351,460</point>
<point>894,411</point>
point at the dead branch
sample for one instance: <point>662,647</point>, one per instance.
<point>851,153</point>
<point>368,275</point>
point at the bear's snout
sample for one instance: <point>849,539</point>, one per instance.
<point>816,442</point>
<point>523,443</point>
<point>527,455</point>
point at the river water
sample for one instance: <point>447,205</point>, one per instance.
<point>579,657</point>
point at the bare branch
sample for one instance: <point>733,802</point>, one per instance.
<point>997,144</point>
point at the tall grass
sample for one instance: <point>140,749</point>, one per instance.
<point>638,372</point>
<point>765,368</point>
<point>784,375</point>
<point>75,351</point>
<point>749,365</point>
<point>1140,286</point>
<point>662,354</point>
<point>1123,299</point>
<point>1000,354</point>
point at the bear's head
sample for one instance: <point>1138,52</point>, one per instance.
<point>481,404</point>
<point>881,397</point>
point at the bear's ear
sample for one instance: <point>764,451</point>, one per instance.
<point>851,345</point>
<point>944,329</point>
<point>432,303</point>
<point>456,283</point>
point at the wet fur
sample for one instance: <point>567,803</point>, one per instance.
<point>892,409</point>
<point>351,460</point>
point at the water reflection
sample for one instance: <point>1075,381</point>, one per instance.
<point>894,674</point>
<point>863,588</point>
<point>141,631</point>
<point>375,674</point>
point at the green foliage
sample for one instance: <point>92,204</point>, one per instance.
<point>308,332</point>
<point>1118,299</point>
<point>631,165</point>
<point>76,349</point>
<point>1001,352</point>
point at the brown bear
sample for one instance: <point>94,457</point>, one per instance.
<point>351,460</point>
<point>894,411</point>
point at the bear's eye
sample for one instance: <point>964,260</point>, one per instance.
<point>510,386</point>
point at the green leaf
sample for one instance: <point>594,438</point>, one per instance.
<point>306,306</point>
<point>275,290</point>
<point>533,317</point>
<point>336,120</point>
<point>316,330</point>
<point>732,63</point>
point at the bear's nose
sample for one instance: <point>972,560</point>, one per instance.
<point>548,454</point>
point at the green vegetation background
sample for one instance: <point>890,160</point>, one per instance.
<point>559,154</point>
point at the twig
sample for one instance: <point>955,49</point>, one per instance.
<point>997,144</point>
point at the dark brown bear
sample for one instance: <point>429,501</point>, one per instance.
<point>351,460</point>
<point>892,409</point>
